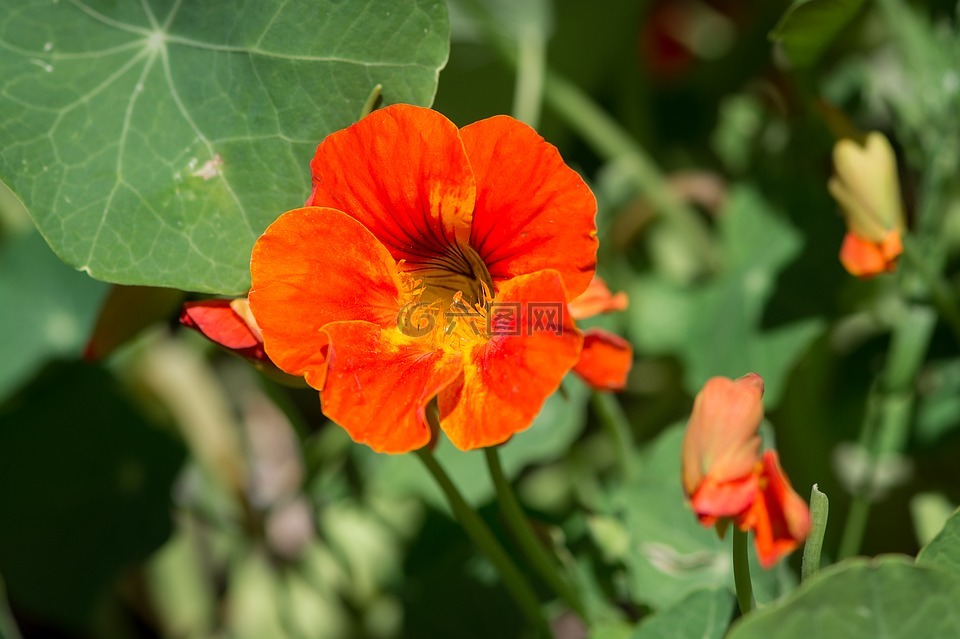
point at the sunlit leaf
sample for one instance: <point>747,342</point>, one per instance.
<point>885,598</point>
<point>153,141</point>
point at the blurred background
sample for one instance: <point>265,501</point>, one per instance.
<point>152,485</point>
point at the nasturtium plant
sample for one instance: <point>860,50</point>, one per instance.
<point>153,141</point>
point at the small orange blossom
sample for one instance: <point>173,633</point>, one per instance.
<point>727,479</point>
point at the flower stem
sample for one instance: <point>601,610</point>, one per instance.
<point>819,509</point>
<point>886,426</point>
<point>480,534</point>
<point>518,524</point>
<point>741,571</point>
<point>615,422</point>
<point>528,85</point>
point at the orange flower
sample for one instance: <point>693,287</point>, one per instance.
<point>867,188</point>
<point>429,263</point>
<point>725,477</point>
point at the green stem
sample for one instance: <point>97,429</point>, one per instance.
<point>615,421</point>
<point>528,85</point>
<point>855,526</point>
<point>518,524</point>
<point>372,101</point>
<point>8,627</point>
<point>480,534</point>
<point>886,426</point>
<point>819,509</point>
<point>741,571</point>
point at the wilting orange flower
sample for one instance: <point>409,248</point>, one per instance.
<point>430,262</point>
<point>726,478</point>
<point>867,187</point>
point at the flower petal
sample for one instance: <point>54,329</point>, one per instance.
<point>402,173</point>
<point>863,258</point>
<point>779,518</point>
<point>597,299</point>
<point>220,322</point>
<point>379,383</point>
<point>712,500</point>
<point>721,443</point>
<point>311,267</point>
<point>533,212</point>
<point>506,379</point>
<point>605,360</point>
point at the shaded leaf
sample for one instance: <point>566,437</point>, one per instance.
<point>717,329</point>
<point>126,311</point>
<point>809,26</point>
<point>885,598</point>
<point>153,141</point>
<point>85,487</point>
<point>49,308</point>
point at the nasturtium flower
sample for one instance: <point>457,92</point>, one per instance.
<point>430,263</point>
<point>867,187</point>
<point>725,477</point>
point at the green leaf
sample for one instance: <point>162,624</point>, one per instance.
<point>670,554</point>
<point>705,614</point>
<point>885,598</point>
<point>944,551</point>
<point>717,329</point>
<point>85,487</point>
<point>154,141</point>
<point>49,308</point>
<point>809,26</point>
<point>560,422</point>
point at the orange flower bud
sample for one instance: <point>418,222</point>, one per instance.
<point>725,477</point>
<point>867,188</point>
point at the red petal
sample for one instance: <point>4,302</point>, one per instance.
<point>605,360</point>
<point>311,267</point>
<point>379,383</point>
<point>506,380</point>
<point>218,321</point>
<point>403,174</point>
<point>713,501</point>
<point>779,518</point>
<point>533,212</point>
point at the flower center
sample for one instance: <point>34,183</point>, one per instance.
<point>447,298</point>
